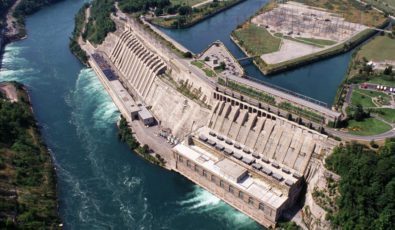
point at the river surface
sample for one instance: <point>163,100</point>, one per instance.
<point>319,80</point>
<point>101,184</point>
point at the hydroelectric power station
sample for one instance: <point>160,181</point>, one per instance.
<point>245,151</point>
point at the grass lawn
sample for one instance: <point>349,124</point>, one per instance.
<point>256,40</point>
<point>303,41</point>
<point>381,48</point>
<point>209,72</point>
<point>364,97</point>
<point>386,113</point>
<point>199,64</point>
<point>360,97</point>
<point>381,81</point>
<point>320,42</point>
<point>369,126</point>
<point>186,2</point>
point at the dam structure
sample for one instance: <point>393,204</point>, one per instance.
<point>145,68</point>
<point>145,79</point>
<point>255,160</point>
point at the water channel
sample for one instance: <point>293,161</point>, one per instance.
<point>319,80</point>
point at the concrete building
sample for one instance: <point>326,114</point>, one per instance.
<point>253,159</point>
<point>259,190</point>
<point>146,117</point>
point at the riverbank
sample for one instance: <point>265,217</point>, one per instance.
<point>14,29</point>
<point>28,179</point>
<point>173,23</point>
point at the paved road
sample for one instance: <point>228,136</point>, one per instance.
<point>299,101</point>
<point>202,3</point>
<point>158,144</point>
<point>349,94</point>
<point>165,36</point>
<point>350,137</point>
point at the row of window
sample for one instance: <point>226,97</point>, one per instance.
<point>222,184</point>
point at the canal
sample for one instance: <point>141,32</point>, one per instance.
<point>101,184</point>
<point>319,80</point>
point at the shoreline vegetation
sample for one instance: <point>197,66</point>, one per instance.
<point>79,27</point>
<point>93,27</point>
<point>341,48</point>
<point>21,11</point>
<point>125,134</point>
<point>195,16</point>
<point>176,14</point>
<point>28,198</point>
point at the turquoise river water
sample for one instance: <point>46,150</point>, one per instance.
<point>101,184</point>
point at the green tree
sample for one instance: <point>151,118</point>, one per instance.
<point>367,186</point>
<point>359,113</point>
<point>185,10</point>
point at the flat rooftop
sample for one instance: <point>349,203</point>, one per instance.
<point>234,170</point>
<point>270,164</point>
<point>257,187</point>
<point>124,96</point>
<point>144,113</point>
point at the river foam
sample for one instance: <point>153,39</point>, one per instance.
<point>201,201</point>
<point>14,66</point>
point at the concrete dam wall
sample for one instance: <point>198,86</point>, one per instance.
<point>138,65</point>
<point>141,71</point>
<point>266,134</point>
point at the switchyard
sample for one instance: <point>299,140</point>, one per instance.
<point>298,20</point>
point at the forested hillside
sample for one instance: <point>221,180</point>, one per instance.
<point>143,5</point>
<point>27,178</point>
<point>4,6</point>
<point>28,7</point>
<point>367,186</point>
<point>100,23</point>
